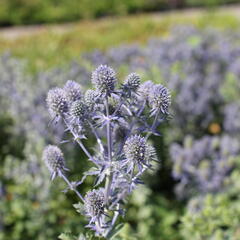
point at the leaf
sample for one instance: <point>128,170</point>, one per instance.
<point>81,237</point>
<point>79,207</point>
<point>66,236</point>
<point>115,231</point>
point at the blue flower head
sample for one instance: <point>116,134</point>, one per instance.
<point>104,79</point>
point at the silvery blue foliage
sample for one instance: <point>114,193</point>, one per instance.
<point>201,166</point>
<point>121,119</point>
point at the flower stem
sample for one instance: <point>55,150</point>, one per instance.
<point>97,137</point>
<point>78,140</point>
<point>72,187</point>
<point>109,144</point>
<point>153,127</point>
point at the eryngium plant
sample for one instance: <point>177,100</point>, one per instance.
<point>121,119</point>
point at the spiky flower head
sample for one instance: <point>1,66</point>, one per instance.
<point>94,203</point>
<point>139,152</point>
<point>160,99</point>
<point>144,90</point>
<point>104,79</point>
<point>135,149</point>
<point>57,102</point>
<point>54,160</point>
<point>78,110</point>
<point>132,81</point>
<point>73,90</point>
<point>90,98</point>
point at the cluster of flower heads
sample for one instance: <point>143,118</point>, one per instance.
<point>202,165</point>
<point>121,119</point>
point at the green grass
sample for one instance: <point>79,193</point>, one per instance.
<point>49,47</point>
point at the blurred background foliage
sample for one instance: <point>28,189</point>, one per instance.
<point>194,192</point>
<point>16,12</point>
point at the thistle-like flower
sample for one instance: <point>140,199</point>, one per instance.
<point>137,151</point>
<point>57,102</point>
<point>90,98</point>
<point>132,81</point>
<point>112,116</point>
<point>73,90</point>
<point>159,99</point>
<point>104,79</point>
<point>94,204</point>
<point>78,110</point>
<point>54,160</point>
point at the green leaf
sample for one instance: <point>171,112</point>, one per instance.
<point>115,231</point>
<point>66,236</point>
<point>79,207</point>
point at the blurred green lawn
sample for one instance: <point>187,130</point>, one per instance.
<point>51,45</point>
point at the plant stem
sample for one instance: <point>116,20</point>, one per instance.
<point>72,187</point>
<point>153,127</point>
<point>78,140</point>
<point>97,137</point>
<point>115,217</point>
<point>109,144</point>
<point>131,127</point>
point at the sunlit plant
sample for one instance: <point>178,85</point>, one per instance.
<point>121,119</point>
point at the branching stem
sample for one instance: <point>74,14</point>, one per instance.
<point>76,138</point>
<point>72,187</point>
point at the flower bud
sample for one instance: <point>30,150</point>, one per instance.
<point>73,90</point>
<point>90,98</point>
<point>135,148</point>
<point>57,101</point>
<point>78,110</point>
<point>160,98</point>
<point>104,79</point>
<point>94,203</point>
<point>132,81</point>
<point>54,160</point>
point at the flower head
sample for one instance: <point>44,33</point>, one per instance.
<point>78,110</point>
<point>73,90</point>
<point>90,98</point>
<point>160,98</point>
<point>57,102</point>
<point>139,152</point>
<point>54,160</point>
<point>104,79</point>
<point>132,81</point>
<point>135,150</point>
<point>94,203</point>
